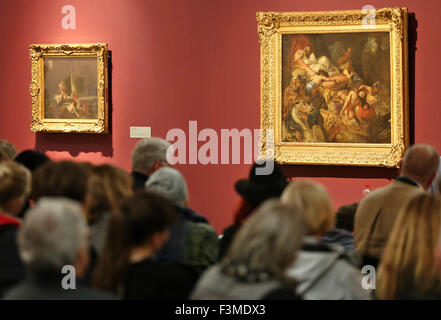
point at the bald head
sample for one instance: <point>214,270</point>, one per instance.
<point>420,163</point>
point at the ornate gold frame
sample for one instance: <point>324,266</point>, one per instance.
<point>271,26</point>
<point>38,53</point>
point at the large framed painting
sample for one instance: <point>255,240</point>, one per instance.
<point>334,89</point>
<point>69,88</point>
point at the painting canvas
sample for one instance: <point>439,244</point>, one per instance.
<point>333,91</point>
<point>69,88</point>
<point>336,88</point>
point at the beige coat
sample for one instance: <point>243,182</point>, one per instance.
<point>386,202</point>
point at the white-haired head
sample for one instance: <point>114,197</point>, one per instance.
<point>147,153</point>
<point>169,183</point>
<point>52,235</point>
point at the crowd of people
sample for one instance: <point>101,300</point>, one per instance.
<point>74,230</point>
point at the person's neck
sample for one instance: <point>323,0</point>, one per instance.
<point>142,172</point>
<point>140,253</point>
<point>413,178</point>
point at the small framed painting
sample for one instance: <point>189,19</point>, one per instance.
<point>69,88</point>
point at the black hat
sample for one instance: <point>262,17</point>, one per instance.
<point>31,159</point>
<point>262,185</point>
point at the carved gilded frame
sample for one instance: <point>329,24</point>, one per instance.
<point>38,53</point>
<point>271,26</point>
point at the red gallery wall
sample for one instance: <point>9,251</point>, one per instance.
<point>180,60</point>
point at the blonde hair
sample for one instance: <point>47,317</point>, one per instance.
<point>410,250</point>
<point>269,239</point>
<point>15,182</point>
<point>314,202</point>
<point>107,187</point>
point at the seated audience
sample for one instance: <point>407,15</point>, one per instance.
<point>344,226</point>
<point>8,149</point>
<point>253,191</point>
<point>377,212</point>
<point>53,235</point>
<point>149,155</point>
<point>107,187</point>
<point>127,266</point>
<point>410,265</point>
<point>191,243</point>
<point>255,265</point>
<point>322,271</point>
<point>15,186</point>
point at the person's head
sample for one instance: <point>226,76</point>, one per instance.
<point>307,51</point>
<point>314,203</point>
<point>62,87</point>
<point>148,218</point>
<point>420,162</point>
<point>54,234</point>
<point>344,217</point>
<point>142,223</point>
<point>8,148</point>
<point>149,155</point>
<point>362,93</point>
<point>15,186</point>
<point>31,159</point>
<point>107,187</point>
<point>260,186</point>
<point>376,88</point>
<point>296,82</point>
<point>410,252</point>
<point>60,179</point>
<point>169,183</point>
<point>269,239</point>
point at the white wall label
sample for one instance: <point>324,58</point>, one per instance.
<point>140,132</point>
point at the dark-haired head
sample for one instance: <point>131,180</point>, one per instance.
<point>60,179</point>
<point>142,223</point>
<point>146,214</point>
<point>31,159</point>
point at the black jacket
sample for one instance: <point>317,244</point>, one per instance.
<point>12,269</point>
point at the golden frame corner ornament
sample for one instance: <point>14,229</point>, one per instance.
<point>41,123</point>
<point>271,27</point>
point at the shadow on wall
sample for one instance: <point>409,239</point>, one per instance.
<point>369,172</point>
<point>74,143</point>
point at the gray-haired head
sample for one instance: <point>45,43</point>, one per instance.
<point>52,234</point>
<point>147,152</point>
<point>269,239</point>
<point>8,148</point>
<point>169,183</point>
